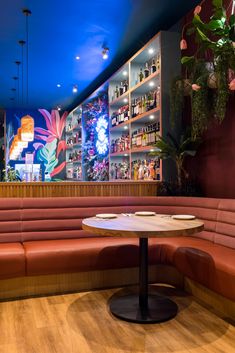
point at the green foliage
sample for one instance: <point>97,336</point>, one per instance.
<point>177,150</point>
<point>214,40</point>
<point>10,174</point>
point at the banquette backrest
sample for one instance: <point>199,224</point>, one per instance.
<point>30,219</point>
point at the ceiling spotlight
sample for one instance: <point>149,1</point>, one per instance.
<point>13,89</point>
<point>77,57</point>
<point>151,117</point>
<point>125,127</point>
<point>58,85</point>
<point>124,73</point>
<point>75,88</point>
<point>15,78</point>
<point>152,150</point>
<point>58,107</point>
<point>151,50</point>
<point>151,84</point>
<point>125,155</point>
<point>105,53</point>
<point>12,99</point>
<point>125,100</point>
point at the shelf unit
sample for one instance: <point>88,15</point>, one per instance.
<point>73,138</point>
<point>149,98</point>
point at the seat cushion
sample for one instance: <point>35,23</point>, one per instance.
<point>71,255</point>
<point>210,264</point>
<point>12,260</point>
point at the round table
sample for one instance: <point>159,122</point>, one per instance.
<point>142,307</point>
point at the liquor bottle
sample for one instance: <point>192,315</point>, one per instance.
<point>121,89</point>
<point>141,75</point>
<point>158,97</point>
<point>146,71</point>
<point>158,62</point>
<point>153,67</point>
<point>116,92</point>
<point>125,86</point>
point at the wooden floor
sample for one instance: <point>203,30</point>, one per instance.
<point>81,323</point>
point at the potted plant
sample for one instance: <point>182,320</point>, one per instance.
<point>177,150</point>
<point>212,65</point>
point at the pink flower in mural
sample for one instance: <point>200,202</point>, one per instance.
<point>183,44</point>
<point>55,126</point>
<point>196,87</point>
<point>197,10</point>
<point>232,85</point>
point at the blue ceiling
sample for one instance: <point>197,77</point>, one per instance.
<point>60,30</point>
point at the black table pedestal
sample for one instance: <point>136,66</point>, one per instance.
<point>143,307</point>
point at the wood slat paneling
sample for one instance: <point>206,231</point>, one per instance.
<point>73,189</point>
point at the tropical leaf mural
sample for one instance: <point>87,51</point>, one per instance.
<point>48,156</point>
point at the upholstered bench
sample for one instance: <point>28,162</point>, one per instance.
<point>43,237</point>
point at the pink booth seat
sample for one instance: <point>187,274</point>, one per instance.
<point>41,236</point>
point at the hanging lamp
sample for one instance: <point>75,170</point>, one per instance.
<point>27,128</point>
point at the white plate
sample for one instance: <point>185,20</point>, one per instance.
<point>183,216</point>
<point>106,215</point>
<point>145,213</point>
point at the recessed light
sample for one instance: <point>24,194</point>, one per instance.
<point>75,89</point>
<point>58,85</point>
<point>151,50</point>
<point>77,57</point>
<point>124,73</point>
<point>125,127</point>
<point>105,53</point>
<point>125,100</point>
<point>58,107</point>
<point>125,155</point>
<point>151,84</point>
<point>152,150</point>
<point>151,117</point>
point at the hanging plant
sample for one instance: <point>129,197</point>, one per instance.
<point>211,65</point>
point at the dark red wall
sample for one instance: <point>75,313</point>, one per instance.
<point>214,165</point>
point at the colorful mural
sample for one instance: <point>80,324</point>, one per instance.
<point>96,137</point>
<point>47,148</point>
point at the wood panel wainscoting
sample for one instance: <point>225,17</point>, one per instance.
<point>75,189</point>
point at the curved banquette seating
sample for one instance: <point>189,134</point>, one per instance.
<point>44,236</point>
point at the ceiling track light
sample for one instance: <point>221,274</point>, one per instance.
<point>22,43</point>
<point>27,13</point>
<point>105,53</point>
<point>75,88</point>
<point>17,62</point>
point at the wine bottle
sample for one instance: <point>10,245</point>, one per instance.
<point>146,71</point>
<point>153,67</point>
<point>158,62</point>
<point>125,86</point>
<point>141,75</point>
<point>116,92</point>
<point>121,88</point>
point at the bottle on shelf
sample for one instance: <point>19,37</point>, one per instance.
<point>125,86</point>
<point>121,144</point>
<point>146,70</point>
<point>116,92</point>
<point>121,89</point>
<point>147,169</point>
<point>122,115</point>
<point>153,67</point>
<point>145,136</point>
<point>120,170</point>
<point>141,75</point>
<point>158,62</point>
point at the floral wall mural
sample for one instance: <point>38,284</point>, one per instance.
<point>48,146</point>
<point>96,137</point>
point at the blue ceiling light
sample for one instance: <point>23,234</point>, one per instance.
<point>105,53</point>
<point>75,88</point>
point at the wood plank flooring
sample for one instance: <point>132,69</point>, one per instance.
<point>81,323</point>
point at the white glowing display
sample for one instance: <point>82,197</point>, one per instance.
<point>102,138</point>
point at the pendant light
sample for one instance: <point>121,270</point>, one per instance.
<point>27,122</point>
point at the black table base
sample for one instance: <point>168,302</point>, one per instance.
<point>143,307</point>
<point>127,308</point>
